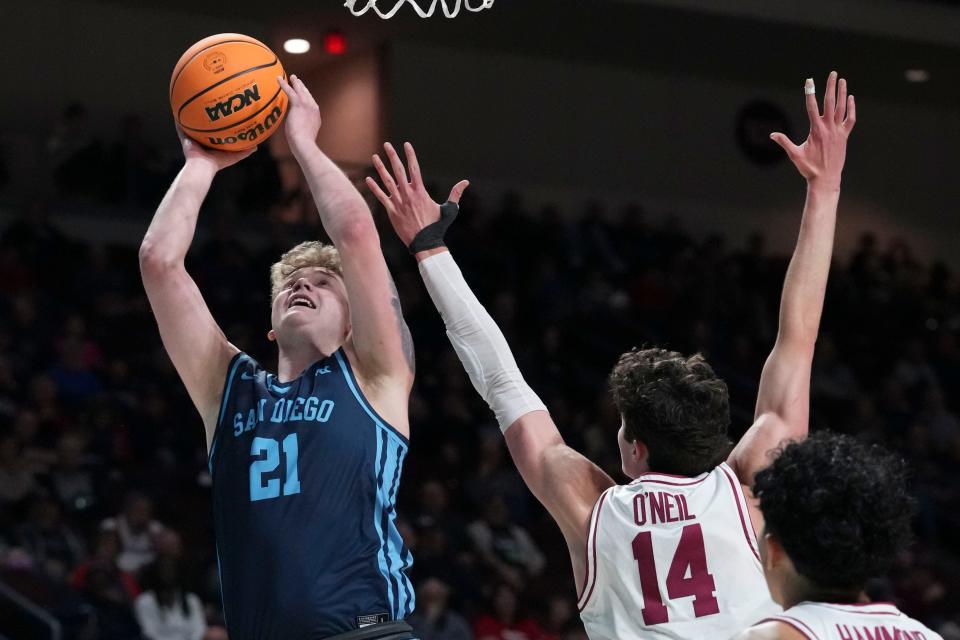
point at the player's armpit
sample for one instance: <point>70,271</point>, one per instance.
<point>770,630</point>
<point>193,340</point>
<point>783,408</point>
<point>563,480</point>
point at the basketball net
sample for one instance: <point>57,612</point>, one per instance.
<point>450,12</point>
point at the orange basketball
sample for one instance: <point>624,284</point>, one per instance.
<point>224,92</point>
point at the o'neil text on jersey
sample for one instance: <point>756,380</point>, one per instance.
<point>660,506</point>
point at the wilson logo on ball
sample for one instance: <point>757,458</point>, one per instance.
<point>252,133</point>
<point>234,103</point>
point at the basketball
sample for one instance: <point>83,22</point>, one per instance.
<point>224,92</point>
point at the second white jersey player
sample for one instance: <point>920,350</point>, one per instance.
<point>826,621</point>
<point>673,557</point>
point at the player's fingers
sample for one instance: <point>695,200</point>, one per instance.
<point>784,142</point>
<point>295,83</point>
<point>302,91</point>
<point>398,171</point>
<point>457,192</point>
<point>841,102</point>
<point>385,176</point>
<point>851,113</point>
<point>830,96</point>
<point>287,89</point>
<point>813,110</point>
<point>378,193</point>
<point>180,134</point>
<point>415,179</point>
<point>242,155</point>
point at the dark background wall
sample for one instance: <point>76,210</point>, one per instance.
<point>619,101</point>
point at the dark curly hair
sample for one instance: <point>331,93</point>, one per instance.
<point>839,507</point>
<point>676,406</point>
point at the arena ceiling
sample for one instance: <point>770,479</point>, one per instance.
<point>754,42</point>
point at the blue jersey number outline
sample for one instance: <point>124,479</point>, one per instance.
<point>269,446</point>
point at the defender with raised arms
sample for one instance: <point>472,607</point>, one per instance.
<point>673,554</point>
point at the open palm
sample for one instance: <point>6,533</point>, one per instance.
<point>821,156</point>
<point>409,206</point>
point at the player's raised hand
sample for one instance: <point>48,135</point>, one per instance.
<point>821,156</point>
<point>302,123</point>
<point>409,206</point>
<point>217,160</point>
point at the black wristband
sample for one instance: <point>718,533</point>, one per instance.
<point>431,236</point>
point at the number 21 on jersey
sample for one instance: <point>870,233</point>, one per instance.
<point>269,463</point>
<point>690,558</point>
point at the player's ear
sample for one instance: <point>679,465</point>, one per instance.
<point>775,555</point>
<point>272,335</point>
<point>640,451</point>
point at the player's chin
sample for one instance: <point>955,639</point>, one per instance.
<point>299,315</point>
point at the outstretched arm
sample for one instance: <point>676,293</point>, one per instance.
<point>380,336</point>
<point>196,345</point>
<point>565,482</point>
<point>783,400</point>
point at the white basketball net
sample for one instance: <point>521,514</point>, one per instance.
<point>449,11</point>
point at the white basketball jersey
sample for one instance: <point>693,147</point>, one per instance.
<point>673,557</point>
<point>882,621</point>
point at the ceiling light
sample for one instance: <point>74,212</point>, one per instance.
<point>916,75</point>
<point>296,45</point>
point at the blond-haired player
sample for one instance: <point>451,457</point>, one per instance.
<point>673,554</point>
<point>306,461</point>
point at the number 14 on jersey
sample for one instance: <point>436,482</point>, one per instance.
<point>690,558</point>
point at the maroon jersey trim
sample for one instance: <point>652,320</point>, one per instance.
<point>749,535</point>
<point>799,625</point>
<point>592,544</point>
<point>837,606</point>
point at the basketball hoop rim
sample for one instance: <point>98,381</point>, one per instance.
<point>471,6</point>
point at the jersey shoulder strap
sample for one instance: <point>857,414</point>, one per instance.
<point>242,367</point>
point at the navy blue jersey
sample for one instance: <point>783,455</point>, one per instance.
<point>305,478</point>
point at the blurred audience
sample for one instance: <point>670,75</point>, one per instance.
<point>166,610</point>
<point>138,532</point>
<point>433,620</point>
<point>503,622</point>
<point>504,547</point>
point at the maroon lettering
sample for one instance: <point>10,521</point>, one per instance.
<point>639,510</point>
<point>653,610</point>
<point>669,504</point>
<point>844,632</point>
<point>664,507</point>
<point>656,507</point>
<point>867,635</point>
<point>690,557</point>
<point>879,633</point>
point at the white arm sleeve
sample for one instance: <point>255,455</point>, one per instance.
<point>478,342</point>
